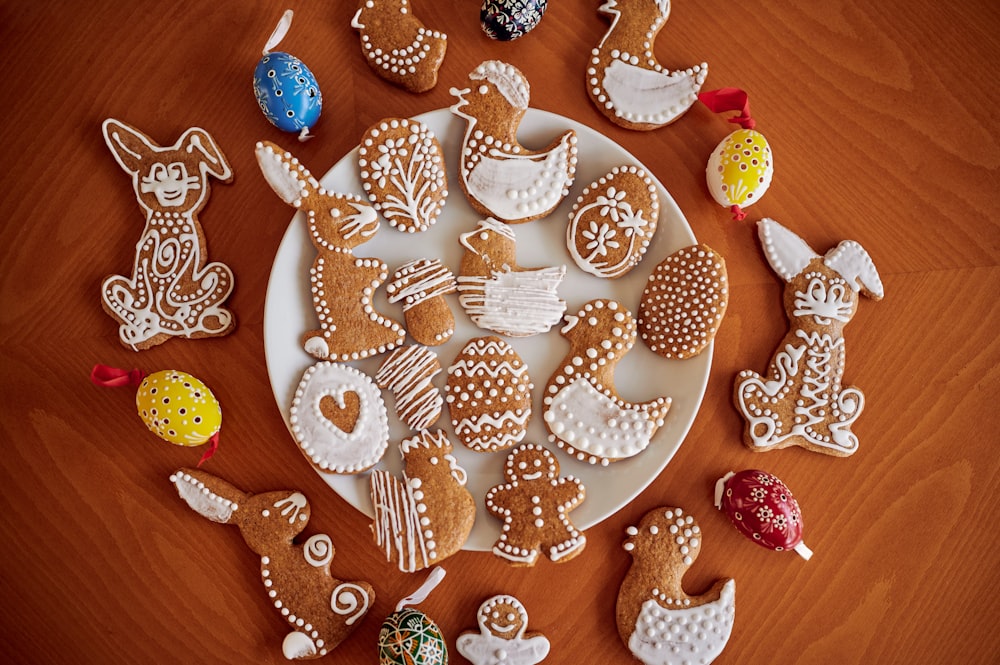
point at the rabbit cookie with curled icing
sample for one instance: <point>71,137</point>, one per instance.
<point>320,609</point>
<point>802,399</point>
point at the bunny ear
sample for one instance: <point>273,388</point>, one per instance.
<point>787,253</point>
<point>129,146</point>
<point>198,142</point>
<point>852,262</point>
<point>291,181</point>
<point>209,496</point>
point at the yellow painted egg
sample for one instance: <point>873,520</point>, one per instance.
<point>178,408</point>
<point>740,169</point>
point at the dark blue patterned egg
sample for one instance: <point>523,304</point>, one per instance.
<point>287,92</point>
<point>509,19</point>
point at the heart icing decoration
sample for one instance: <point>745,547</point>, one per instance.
<point>339,419</point>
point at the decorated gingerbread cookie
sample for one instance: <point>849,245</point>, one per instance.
<point>173,291</point>
<point>500,177</point>
<point>500,295</point>
<point>534,505</point>
<point>657,620</point>
<point>489,395</point>
<point>342,285</point>
<point>426,516</point>
<point>320,609</point>
<point>502,636</point>
<point>581,408</point>
<point>624,79</point>
<point>802,400</point>
<point>338,419</point>
<point>682,306</point>
<point>421,285</point>
<point>402,172</point>
<point>397,46</point>
<point>408,372</point>
<point>613,221</point>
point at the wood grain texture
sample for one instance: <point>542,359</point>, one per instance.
<point>882,119</point>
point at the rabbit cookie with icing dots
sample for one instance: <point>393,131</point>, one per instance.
<point>397,46</point>
<point>500,177</point>
<point>320,609</point>
<point>534,505</point>
<point>802,400</point>
<point>173,291</point>
<point>342,284</point>
<point>581,407</point>
<point>502,625</point>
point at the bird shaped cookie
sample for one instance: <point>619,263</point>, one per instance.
<point>397,46</point>
<point>581,408</point>
<point>624,79</point>
<point>500,177</point>
<point>658,622</point>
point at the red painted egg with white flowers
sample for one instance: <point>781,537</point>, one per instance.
<point>762,508</point>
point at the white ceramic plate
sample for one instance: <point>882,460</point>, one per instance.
<point>640,376</point>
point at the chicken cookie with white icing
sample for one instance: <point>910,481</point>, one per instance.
<point>581,408</point>
<point>397,46</point>
<point>500,295</point>
<point>500,177</point>
<point>502,637</point>
<point>338,419</point>
<point>425,517</point>
<point>489,395</point>
<point>625,81</point>
<point>534,505</point>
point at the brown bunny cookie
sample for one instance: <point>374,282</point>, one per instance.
<point>500,177</point>
<point>173,291</point>
<point>397,46</point>
<point>408,373</point>
<point>581,407</point>
<point>425,517</point>
<point>421,285</point>
<point>321,610</point>
<point>802,401</point>
<point>534,505</point>
<point>624,79</point>
<point>342,284</point>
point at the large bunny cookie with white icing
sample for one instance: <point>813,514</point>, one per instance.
<point>320,609</point>
<point>802,400</point>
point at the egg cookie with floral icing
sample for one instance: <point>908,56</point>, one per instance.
<point>502,637</point>
<point>534,505</point>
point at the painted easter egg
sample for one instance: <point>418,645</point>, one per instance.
<point>488,394</point>
<point>410,637</point>
<point>613,221</point>
<point>740,169</point>
<point>286,90</point>
<point>505,20</point>
<point>178,408</point>
<point>763,509</point>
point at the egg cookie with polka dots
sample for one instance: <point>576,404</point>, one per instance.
<point>581,407</point>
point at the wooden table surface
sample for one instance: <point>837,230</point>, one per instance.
<point>882,119</point>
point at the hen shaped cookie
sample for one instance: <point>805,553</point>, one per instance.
<point>397,46</point>
<point>500,177</point>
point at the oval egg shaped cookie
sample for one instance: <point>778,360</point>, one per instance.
<point>488,394</point>
<point>403,174</point>
<point>683,303</point>
<point>613,221</point>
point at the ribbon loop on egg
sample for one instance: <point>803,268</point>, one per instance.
<point>729,99</point>
<point>113,377</point>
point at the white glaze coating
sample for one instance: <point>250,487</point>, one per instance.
<point>673,636</point>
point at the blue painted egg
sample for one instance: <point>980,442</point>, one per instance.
<point>287,92</point>
<point>505,20</point>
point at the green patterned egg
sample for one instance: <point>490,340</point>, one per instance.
<point>410,637</point>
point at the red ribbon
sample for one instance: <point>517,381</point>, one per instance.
<point>213,446</point>
<point>112,377</point>
<point>729,99</point>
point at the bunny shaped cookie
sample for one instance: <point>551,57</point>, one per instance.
<point>320,609</point>
<point>342,284</point>
<point>802,401</point>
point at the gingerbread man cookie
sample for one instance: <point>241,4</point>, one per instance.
<point>397,46</point>
<point>581,408</point>
<point>534,505</point>
<point>342,284</point>
<point>502,639</point>
<point>172,291</point>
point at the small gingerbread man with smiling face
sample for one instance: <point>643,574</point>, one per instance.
<point>534,505</point>
<point>501,639</point>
